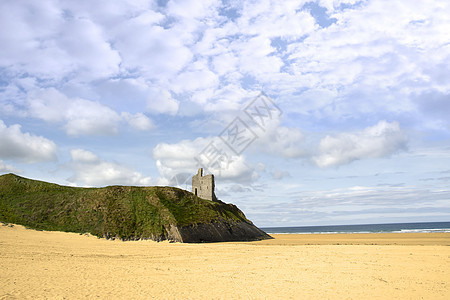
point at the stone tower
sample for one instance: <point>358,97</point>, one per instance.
<point>203,186</point>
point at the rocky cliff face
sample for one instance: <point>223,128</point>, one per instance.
<point>219,231</point>
<point>123,212</point>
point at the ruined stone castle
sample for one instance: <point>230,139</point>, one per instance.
<point>203,186</point>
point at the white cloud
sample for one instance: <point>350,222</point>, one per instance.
<point>81,116</point>
<point>88,49</point>
<point>281,141</point>
<point>154,52</point>
<point>276,19</point>
<point>138,121</point>
<point>192,8</point>
<point>255,57</point>
<point>160,101</point>
<point>47,41</point>
<point>83,156</point>
<point>380,140</point>
<point>197,77</point>
<point>174,159</point>
<point>90,170</point>
<point>4,168</point>
<point>15,144</point>
<point>90,118</point>
<point>374,52</point>
<point>225,63</point>
<point>331,5</point>
<point>228,98</point>
<point>184,157</point>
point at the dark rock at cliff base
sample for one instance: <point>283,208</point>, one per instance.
<point>123,212</point>
<point>221,231</point>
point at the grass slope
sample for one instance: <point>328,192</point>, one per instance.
<point>124,212</point>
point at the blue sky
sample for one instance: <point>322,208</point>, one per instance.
<point>320,112</point>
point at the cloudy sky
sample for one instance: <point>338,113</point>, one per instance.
<point>308,112</point>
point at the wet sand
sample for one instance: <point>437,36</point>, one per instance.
<point>56,265</point>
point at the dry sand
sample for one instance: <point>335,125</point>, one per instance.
<point>55,265</point>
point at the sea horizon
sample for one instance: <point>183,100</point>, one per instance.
<point>411,227</point>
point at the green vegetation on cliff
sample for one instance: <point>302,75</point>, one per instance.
<point>124,212</point>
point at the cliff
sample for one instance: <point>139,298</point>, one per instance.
<point>124,212</point>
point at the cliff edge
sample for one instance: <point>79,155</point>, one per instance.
<point>123,212</point>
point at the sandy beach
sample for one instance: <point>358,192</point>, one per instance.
<point>56,265</point>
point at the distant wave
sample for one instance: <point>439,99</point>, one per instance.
<point>423,230</point>
<point>429,227</point>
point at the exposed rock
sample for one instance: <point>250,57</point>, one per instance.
<point>222,231</point>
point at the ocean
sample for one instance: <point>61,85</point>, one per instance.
<point>364,228</point>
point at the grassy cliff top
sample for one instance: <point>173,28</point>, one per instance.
<point>125,212</point>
